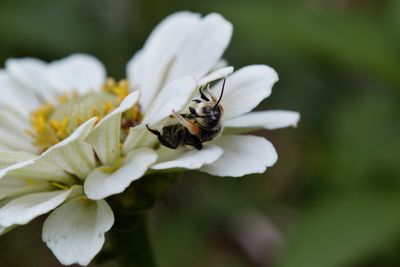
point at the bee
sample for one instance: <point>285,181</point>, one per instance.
<point>201,124</point>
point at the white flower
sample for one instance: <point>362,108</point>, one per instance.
<point>69,137</point>
<point>54,148</point>
<point>186,44</point>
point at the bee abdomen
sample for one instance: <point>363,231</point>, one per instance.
<point>172,135</point>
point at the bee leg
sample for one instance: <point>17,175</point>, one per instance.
<point>198,145</point>
<point>191,126</point>
<point>191,140</point>
<point>155,132</point>
<point>192,114</point>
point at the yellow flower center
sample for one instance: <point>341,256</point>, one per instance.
<point>53,122</point>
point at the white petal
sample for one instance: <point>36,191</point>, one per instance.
<point>31,74</point>
<point>242,155</point>
<point>8,171</point>
<point>13,120</point>
<point>202,47</point>
<point>33,170</point>
<point>72,154</point>
<point>245,89</point>
<point>174,96</point>
<point>77,72</point>
<point>222,63</point>
<point>24,209</point>
<point>135,72</point>
<point>216,75</point>
<point>14,110</point>
<point>187,159</point>
<point>148,70</point>
<point>75,231</point>
<point>273,119</point>
<point>138,136</point>
<point>100,184</point>
<point>183,44</point>
<point>23,175</point>
<point>105,137</point>
<point>14,96</point>
<point>15,141</point>
<point>133,138</point>
<point>12,187</point>
<point>8,158</point>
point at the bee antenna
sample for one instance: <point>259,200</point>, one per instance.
<point>222,92</point>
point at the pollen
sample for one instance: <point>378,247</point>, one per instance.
<point>120,89</point>
<point>60,127</point>
<point>54,121</point>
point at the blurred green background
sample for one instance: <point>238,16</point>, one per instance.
<point>333,198</point>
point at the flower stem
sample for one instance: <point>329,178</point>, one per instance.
<point>130,241</point>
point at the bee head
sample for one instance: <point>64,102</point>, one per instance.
<point>210,111</point>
